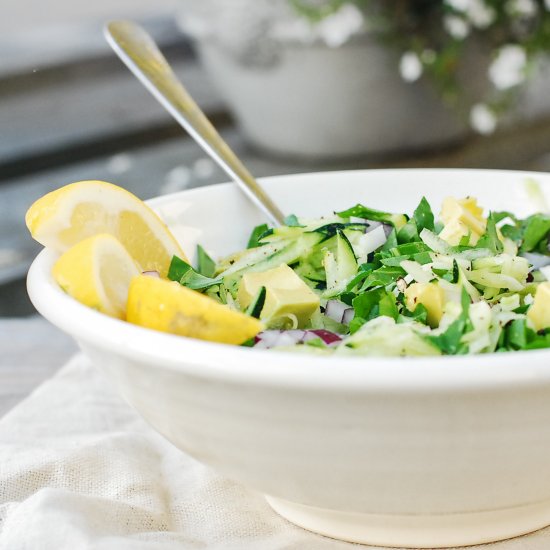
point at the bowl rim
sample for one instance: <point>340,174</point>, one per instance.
<point>288,369</point>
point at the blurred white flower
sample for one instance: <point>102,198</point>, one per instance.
<point>456,26</point>
<point>523,8</point>
<point>10,257</point>
<point>480,14</point>
<point>482,119</point>
<point>118,164</point>
<point>477,12</point>
<point>203,168</point>
<point>508,69</point>
<point>337,28</point>
<point>176,179</point>
<point>458,5</point>
<point>410,67</point>
<point>547,4</point>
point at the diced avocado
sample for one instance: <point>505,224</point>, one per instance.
<point>286,294</point>
<point>462,217</point>
<point>431,296</point>
<point>539,312</point>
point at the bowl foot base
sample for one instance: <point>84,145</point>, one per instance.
<point>416,531</point>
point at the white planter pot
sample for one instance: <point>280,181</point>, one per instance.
<point>302,98</point>
<point>317,101</point>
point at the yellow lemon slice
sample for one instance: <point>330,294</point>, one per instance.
<point>97,272</point>
<point>80,210</point>
<point>169,307</point>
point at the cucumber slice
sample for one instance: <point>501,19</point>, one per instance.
<point>257,304</point>
<point>269,256</point>
<point>341,266</point>
<point>246,258</point>
<point>307,270</point>
<point>283,233</point>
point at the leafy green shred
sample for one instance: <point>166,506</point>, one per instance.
<point>536,234</point>
<point>423,216</point>
<point>383,276</point>
<point>361,211</point>
<point>332,229</point>
<point>292,221</point>
<point>531,234</point>
<point>257,233</point>
<point>449,341</point>
<point>185,275</point>
<point>518,336</point>
<point>408,233</point>
<point>491,239</point>
<point>372,304</point>
<point>416,251</point>
<point>205,264</point>
<point>420,315</point>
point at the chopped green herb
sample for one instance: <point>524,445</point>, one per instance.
<point>205,264</point>
<point>292,221</point>
<point>449,342</point>
<point>491,240</point>
<point>423,216</point>
<point>184,274</point>
<point>257,232</point>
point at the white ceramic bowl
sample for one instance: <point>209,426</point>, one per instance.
<point>430,452</point>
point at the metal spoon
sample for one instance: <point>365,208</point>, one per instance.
<point>141,55</point>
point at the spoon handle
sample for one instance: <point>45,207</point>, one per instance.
<point>141,55</point>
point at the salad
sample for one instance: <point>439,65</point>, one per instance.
<point>367,282</point>
<point>357,282</point>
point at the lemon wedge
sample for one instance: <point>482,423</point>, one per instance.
<point>97,272</point>
<point>80,210</point>
<point>170,307</point>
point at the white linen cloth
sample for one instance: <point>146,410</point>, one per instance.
<point>79,469</point>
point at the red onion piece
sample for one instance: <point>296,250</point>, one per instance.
<point>327,336</point>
